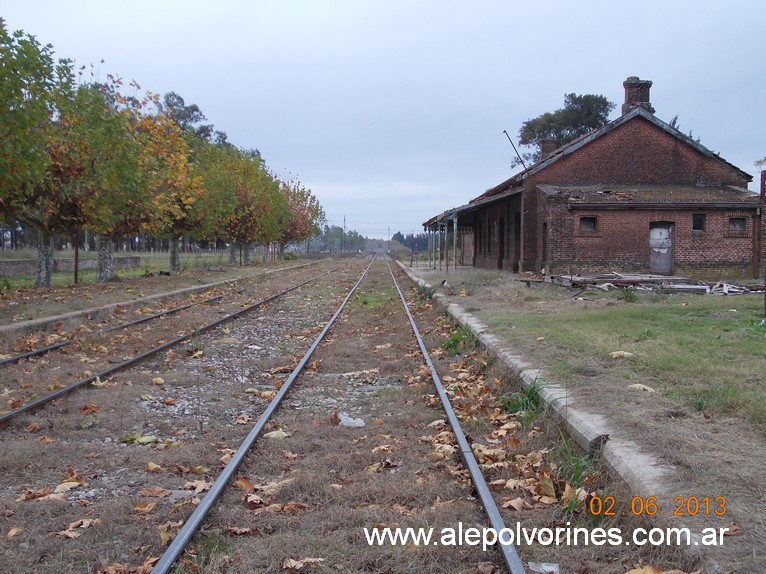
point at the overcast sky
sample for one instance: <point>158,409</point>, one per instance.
<point>392,111</point>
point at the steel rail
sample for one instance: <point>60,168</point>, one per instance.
<point>49,348</point>
<point>194,521</point>
<point>510,556</point>
<point>138,358</point>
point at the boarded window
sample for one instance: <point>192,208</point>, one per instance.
<point>737,225</point>
<point>698,222</point>
<point>588,224</point>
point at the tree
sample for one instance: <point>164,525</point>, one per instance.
<point>306,214</point>
<point>173,185</point>
<point>32,88</point>
<point>580,115</point>
<point>262,212</point>
<point>28,78</point>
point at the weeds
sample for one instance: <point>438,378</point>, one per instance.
<point>526,402</point>
<point>574,466</point>
<point>461,340</point>
<point>628,295</point>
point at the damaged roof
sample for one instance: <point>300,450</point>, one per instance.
<point>727,196</point>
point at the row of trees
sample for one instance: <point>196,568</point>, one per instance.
<point>83,155</point>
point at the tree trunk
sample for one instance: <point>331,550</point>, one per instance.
<point>246,255</point>
<point>105,271</point>
<point>44,273</point>
<point>175,259</point>
<point>232,253</point>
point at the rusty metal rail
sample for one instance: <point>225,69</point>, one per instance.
<point>510,556</point>
<point>49,348</point>
<point>194,521</point>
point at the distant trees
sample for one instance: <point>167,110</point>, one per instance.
<point>85,156</point>
<point>581,114</point>
<point>418,243</point>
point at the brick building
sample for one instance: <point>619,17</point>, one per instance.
<point>636,195</point>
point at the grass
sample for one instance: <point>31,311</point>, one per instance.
<point>150,263</point>
<point>526,402</point>
<point>704,351</point>
<point>461,340</point>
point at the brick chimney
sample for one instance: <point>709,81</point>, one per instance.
<point>636,94</point>
<point>547,147</point>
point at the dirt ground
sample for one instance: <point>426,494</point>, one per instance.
<point>700,456</point>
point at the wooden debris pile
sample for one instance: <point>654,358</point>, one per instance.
<point>648,282</point>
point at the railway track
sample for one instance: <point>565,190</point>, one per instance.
<point>131,481</point>
<point>28,390</point>
<point>253,498</point>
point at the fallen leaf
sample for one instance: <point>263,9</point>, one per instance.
<point>154,491</point>
<point>13,532</point>
<point>152,467</point>
<point>98,383</point>
<point>89,421</point>
<point>198,486</point>
<point>640,387</point>
<point>66,487</point>
<point>89,408</point>
<point>148,439</point>
<point>32,427</point>
<point>158,381</point>
<point>235,531</point>
<point>296,565</point>
<point>244,484</point>
<point>166,531</point>
<point>515,503</point>
<point>145,507</point>
<point>732,529</point>
<point>289,455</point>
<point>278,434</point>
<point>620,355</point>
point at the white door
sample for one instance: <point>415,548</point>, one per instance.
<point>661,248</point>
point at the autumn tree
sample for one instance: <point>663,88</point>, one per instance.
<point>581,114</point>
<point>261,211</point>
<point>306,214</point>
<point>173,186</point>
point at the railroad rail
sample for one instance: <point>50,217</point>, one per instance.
<point>192,525</point>
<point>43,400</point>
<point>62,344</point>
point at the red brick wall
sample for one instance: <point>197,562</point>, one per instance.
<point>621,241</point>
<point>639,152</point>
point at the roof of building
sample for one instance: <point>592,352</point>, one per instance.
<point>602,196</point>
<point>584,140</point>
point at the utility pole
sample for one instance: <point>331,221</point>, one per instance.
<point>343,236</point>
